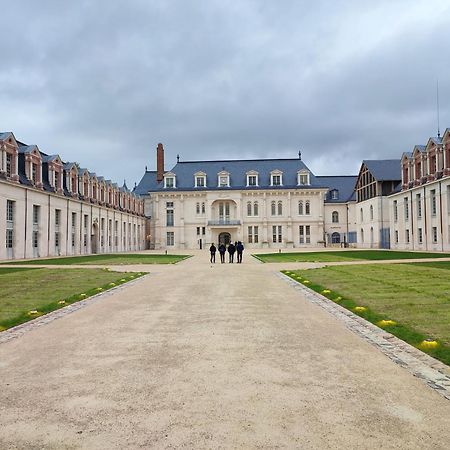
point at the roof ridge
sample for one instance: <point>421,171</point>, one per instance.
<point>240,160</point>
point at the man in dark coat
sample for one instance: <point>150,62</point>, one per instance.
<point>231,250</point>
<point>212,250</point>
<point>222,250</point>
<point>239,250</point>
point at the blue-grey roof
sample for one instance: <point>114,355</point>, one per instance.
<point>27,148</point>
<point>47,158</point>
<point>5,135</point>
<point>343,184</point>
<point>384,169</point>
<point>436,139</point>
<point>237,169</point>
<point>147,183</point>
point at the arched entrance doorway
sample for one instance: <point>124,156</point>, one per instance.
<point>94,238</point>
<point>335,238</point>
<point>224,238</point>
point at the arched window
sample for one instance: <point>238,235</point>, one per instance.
<point>371,236</point>
<point>273,207</point>
<point>335,238</point>
<point>362,215</point>
<point>197,208</point>
<point>300,208</point>
<point>280,208</point>
<point>335,217</point>
<point>249,208</point>
<point>307,208</point>
<point>255,209</point>
<point>371,212</point>
<point>362,236</point>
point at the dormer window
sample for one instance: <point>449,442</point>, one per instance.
<point>303,178</point>
<point>169,180</point>
<point>334,194</point>
<point>8,165</point>
<point>223,179</point>
<point>200,179</point>
<point>252,178</point>
<point>56,180</point>
<point>276,178</point>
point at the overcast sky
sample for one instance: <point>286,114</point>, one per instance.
<point>102,82</point>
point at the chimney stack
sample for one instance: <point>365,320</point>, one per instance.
<point>159,162</point>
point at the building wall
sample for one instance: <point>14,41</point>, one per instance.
<point>432,226</point>
<point>372,217</point>
<point>346,224</point>
<point>98,232</point>
<point>190,224</point>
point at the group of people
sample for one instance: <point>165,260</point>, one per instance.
<point>237,248</point>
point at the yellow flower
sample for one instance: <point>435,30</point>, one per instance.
<point>428,344</point>
<point>386,323</point>
<point>326,291</point>
<point>338,299</point>
<point>112,284</point>
<point>82,295</point>
<point>33,312</point>
<point>306,281</point>
<point>131,276</point>
<point>99,289</point>
<point>61,302</point>
<point>123,280</point>
<point>359,308</point>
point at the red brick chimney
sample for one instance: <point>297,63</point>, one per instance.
<point>159,162</point>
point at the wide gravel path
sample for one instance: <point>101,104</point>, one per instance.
<point>203,357</point>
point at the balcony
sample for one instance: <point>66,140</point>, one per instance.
<point>224,223</point>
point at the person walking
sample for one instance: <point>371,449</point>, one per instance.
<point>222,250</point>
<point>212,250</point>
<point>239,250</point>
<point>231,250</point>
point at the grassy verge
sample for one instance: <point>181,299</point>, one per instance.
<point>106,259</point>
<point>345,255</point>
<point>410,301</point>
<point>26,293</point>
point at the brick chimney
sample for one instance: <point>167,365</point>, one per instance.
<point>159,162</point>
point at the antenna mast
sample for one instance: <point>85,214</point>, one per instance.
<point>437,106</point>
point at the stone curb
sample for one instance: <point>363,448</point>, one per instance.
<point>432,372</point>
<point>19,330</point>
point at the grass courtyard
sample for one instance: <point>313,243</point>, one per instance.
<point>411,300</point>
<point>106,259</point>
<point>26,293</point>
<point>345,255</point>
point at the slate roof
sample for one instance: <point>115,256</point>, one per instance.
<point>237,169</point>
<point>343,184</point>
<point>5,135</point>
<point>384,169</point>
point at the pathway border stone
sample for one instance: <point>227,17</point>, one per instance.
<point>19,330</point>
<point>432,372</point>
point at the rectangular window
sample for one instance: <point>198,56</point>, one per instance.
<point>198,231</point>
<point>33,172</point>
<point>419,235</point>
<point>56,180</point>
<point>406,208</point>
<point>169,218</point>
<point>276,180</point>
<point>303,179</point>
<point>203,231</point>
<point>434,234</point>
<point>433,202</point>
<point>250,235</point>
<point>395,211</point>
<point>57,217</point>
<point>57,239</point>
<point>419,206</point>
<point>36,214</point>
<point>9,211</point>
<point>197,208</point>
<point>255,234</point>
<point>308,234</point>
<point>74,220</point>
<point>407,236</point>
<point>35,239</point>
<point>277,235</point>
<point>200,181</point>
<point>9,238</point>
<point>169,204</point>
<point>169,182</point>
<point>396,236</point>
<point>203,207</point>
<point>252,180</point>
<point>170,238</point>
<point>305,234</point>
<point>8,164</point>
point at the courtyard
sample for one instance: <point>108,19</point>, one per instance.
<point>199,355</point>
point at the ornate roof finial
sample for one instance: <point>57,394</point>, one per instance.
<point>300,155</point>
<point>146,169</point>
<point>178,158</point>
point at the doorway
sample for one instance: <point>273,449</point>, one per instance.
<point>224,238</point>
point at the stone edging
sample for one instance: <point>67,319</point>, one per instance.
<point>431,371</point>
<point>19,330</point>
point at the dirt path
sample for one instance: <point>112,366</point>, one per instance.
<point>195,356</point>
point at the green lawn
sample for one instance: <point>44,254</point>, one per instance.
<point>345,255</point>
<point>415,295</point>
<point>33,289</point>
<point>107,259</point>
